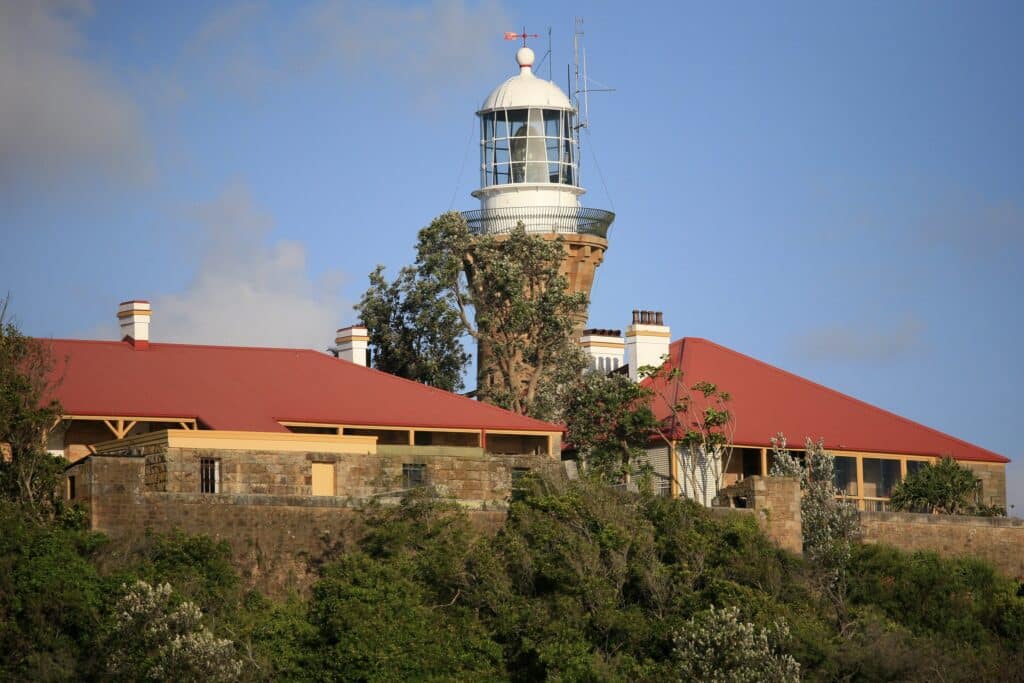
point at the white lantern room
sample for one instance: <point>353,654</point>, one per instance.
<point>529,167</point>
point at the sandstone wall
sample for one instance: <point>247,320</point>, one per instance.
<point>1000,540</point>
<point>993,481</point>
<point>276,529</point>
<point>778,499</point>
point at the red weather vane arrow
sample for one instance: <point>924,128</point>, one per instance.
<point>512,35</point>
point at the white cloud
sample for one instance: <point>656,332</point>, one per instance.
<point>61,116</point>
<point>446,41</point>
<point>865,342</point>
<point>423,48</point>
<point>247,292</point>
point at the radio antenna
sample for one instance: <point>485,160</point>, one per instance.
<point>583,81</point>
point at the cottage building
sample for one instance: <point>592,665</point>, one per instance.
<point>874,448</point>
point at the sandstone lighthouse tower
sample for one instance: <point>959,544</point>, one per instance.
<point>529,174</point>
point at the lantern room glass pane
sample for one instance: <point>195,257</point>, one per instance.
<point>488,123</point>
<point>517,119</point>
<point>500,125</point>
<point>536,123</point>
<point>551,123</point>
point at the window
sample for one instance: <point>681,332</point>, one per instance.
<point>518,474</point>
<point>846,475</point>
<point>527,146</point>
<point>880,476</point>
<point>914,466</point>
<point>413,476</point>
<point>71,488</point>
<point>209,475</point>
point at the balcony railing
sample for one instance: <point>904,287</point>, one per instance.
<point>540,219</point>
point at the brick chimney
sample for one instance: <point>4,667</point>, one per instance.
<point>134,318</point>
<point>647,340</point>
<point>351,344</point>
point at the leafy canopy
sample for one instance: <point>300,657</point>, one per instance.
<point>28,474</point>
<point>941,488</point>
<point>609,422</point>
<point>505,292</point>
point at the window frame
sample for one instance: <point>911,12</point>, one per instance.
<point>414,471</point>
<point>209,475</point>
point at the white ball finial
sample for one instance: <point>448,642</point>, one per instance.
<point>524,57</point>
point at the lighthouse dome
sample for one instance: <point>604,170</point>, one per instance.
<point>526,90</point>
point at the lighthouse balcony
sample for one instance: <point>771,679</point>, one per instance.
<point>540,220</point>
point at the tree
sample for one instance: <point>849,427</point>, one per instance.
<point>414,332</point>
<point>828,524</point>
<point>28,474</point>
<point>508,295</point>
<point>699,429</point>
<point>942,488</point>
<point>609,422</point>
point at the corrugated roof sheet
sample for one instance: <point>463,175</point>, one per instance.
<point>243,388</point>
<point>767,400</point>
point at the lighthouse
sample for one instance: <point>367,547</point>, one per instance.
<point>530,174</point>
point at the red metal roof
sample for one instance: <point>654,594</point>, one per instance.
<point>243,388</point>
<point>767,400</point>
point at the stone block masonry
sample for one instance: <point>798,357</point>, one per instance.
<point>998,540</point>
<point>265,508</point>
<point>777,500</point>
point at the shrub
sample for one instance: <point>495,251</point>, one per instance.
<point>943,488</point>
<point>715,646</point>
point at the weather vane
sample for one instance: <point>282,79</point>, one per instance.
<point>512,35</point>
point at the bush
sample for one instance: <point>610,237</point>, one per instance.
<point>942,488</point>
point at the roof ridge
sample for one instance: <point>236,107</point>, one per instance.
<point>844,396</point>
<point>489,406</point>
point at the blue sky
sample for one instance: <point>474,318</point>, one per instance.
<point>834,188</point>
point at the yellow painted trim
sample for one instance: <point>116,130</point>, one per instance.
<point>134,312</point>
<point>646,333</point>
<point>342,340</point>
<point>860,482</point>
<point>601,344</point>
<point>137,418</point>
<point>246,441</point>
<point>286,423</point>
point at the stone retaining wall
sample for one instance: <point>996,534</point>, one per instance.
<point>1000,540</point>
<point>276,536</point>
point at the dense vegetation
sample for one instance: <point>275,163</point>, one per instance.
<point>583,582</point>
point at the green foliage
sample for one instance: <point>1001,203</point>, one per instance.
<point>582,582</point>
<point>962,599</point>
<point>198,567</point>
<point>504,292</point>
<point>414,331</point>
<point>609,422</point>
<point>51,597</point>
<point>152,638</point>
<point>941,488</point>
<point>376,623</point>
<point>30,476</point>
<point>715,646</point>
